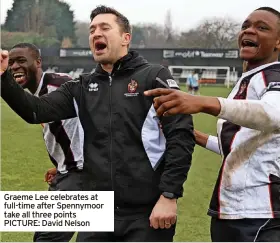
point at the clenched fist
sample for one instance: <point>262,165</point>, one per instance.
<point>4,59</point>
<point>50,174</point>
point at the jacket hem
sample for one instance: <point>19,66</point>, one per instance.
<point>242,215</point>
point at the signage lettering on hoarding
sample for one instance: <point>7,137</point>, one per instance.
<point>199,54</point>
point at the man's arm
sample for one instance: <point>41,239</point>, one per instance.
<point>180,142</point>
<point>55,106</point>
<point>262,115</point>
<point>207,141</point>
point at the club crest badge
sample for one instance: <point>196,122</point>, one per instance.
<point>132,86</point>
<point>242,91</point>
<point>132,89</point>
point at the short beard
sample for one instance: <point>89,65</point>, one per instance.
<point>106,62</point>
<point>31,80</point>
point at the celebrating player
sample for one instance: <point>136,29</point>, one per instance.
<point>63,138</point>
<point>245,205</point>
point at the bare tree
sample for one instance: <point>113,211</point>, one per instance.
<point>168,28</point>
<point>222,32</point>
<point>153,34</point>
<point>156,36</point>
<point>212,33</point>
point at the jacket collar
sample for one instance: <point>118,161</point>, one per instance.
<point>129,61</point>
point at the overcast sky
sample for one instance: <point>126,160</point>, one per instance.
<point>186,14</point>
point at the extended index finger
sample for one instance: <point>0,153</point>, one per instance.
<point>157,92</point>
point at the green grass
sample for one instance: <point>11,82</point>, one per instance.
<point>24,162</point>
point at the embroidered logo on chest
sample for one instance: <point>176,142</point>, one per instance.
<point>132,89</point>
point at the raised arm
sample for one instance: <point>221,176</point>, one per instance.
<point>55,106</point>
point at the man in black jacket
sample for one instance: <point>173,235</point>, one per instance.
<point>125,150</point>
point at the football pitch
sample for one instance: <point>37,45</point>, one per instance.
<point>24,161</point>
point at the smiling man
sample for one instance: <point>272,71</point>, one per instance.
<point>126,149</point>
<point>22,62</point>
<point>63,139</point>
<point>245,205</point>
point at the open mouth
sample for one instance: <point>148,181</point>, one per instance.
<point>249,43</point>
<point>99,46</point>
<point>19,77</point>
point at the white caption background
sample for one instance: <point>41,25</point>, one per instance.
<point>30,211</point>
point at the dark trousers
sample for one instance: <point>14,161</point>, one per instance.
<point>53,236</point>
<point>72,181</point>
<point>245,230</point>
<point>130,228</point>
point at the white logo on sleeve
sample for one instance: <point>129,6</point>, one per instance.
<point>172,83</point>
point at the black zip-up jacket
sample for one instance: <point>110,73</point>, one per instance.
<point>125,150</point>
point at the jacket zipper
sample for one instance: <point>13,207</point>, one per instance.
<point>110,124</point>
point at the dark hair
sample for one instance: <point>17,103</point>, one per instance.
<point>271,10</point>
<point>34,49</point>
<point>121,19</point>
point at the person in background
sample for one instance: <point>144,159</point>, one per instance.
<point>189,84</point>
<point>193,83</point>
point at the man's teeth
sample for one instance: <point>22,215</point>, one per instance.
<point>20,79</point>
<point>17,75</point>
